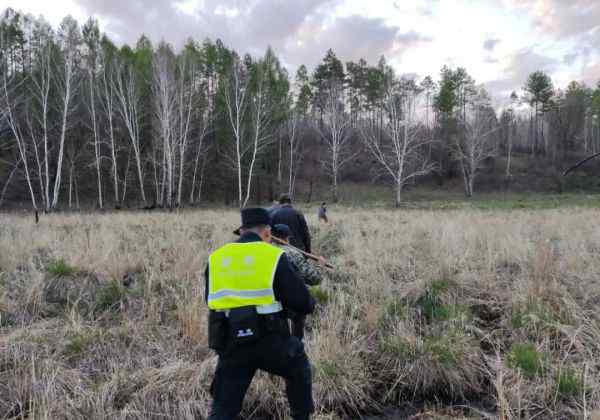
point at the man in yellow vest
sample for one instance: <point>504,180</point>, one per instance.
<point>249,285</point>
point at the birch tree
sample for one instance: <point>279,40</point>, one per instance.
<point>400,145</point>
<point>69,39</point>
<point>107,99</point>
<point>165,96</point>
<point>293,128</point>
<point>128,106</point>
<point>475,143</point>
<point>91,37</point>
<point>335,132</point>
<point>236,93</point>
<point>12,100</point>
<point>39,88</point>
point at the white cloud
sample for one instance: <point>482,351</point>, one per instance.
<point>498,41</point>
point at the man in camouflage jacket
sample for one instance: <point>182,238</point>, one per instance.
<point>306,271</point>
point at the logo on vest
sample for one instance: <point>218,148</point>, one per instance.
<point>226,262</point>
<point>245,333</point>
<point>249,260</point>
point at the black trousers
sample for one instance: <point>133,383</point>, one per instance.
<point>276,354</point>
<point>298,323</point>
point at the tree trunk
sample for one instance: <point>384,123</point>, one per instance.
<point>398,197</point>
<point>96,143</point>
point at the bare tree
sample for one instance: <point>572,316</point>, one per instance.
<point>250,113</point>
<point>106,97</point>
<point>475,142</point>
<point>12,100</point>
<point>203,119</point>
<point>335,132</point>
<point>236,94</point>
<point>69,39</point>
<point>128,100</point>
<point>165,109</point>
<point>294,132</point>
<point>41,81</point>
<point>400,145</point>
<point>91,36</point>
<point>186,92</point>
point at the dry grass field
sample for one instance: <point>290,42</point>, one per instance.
<point>429,314</point>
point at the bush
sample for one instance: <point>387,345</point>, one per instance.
<point>60,268</point>
<point>525,357</point>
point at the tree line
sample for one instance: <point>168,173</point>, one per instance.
<point>84,121</point>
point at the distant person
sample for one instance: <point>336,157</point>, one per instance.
<point>294,219</point>
<point>322,213</point>
<point>307,271</point>
<point>274,206</point>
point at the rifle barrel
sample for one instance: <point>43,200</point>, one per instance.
<point>306,254</point>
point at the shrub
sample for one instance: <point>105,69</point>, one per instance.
<point>526,358</point>
<point>60,268</point>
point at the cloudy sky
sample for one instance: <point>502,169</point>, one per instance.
<point>499,41</point>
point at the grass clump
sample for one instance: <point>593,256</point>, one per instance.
<point>569,384</point>
<point>443,351</point>
<point>397,346</point>
<point>526,358</point>
<point>434,309</point>
<point>76,345</point>
<point>109,296</point>
<point>533,312</point>
<point>320,294</point>
<point>60,268</point>
<point>396,310</point>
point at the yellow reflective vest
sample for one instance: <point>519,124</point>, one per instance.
<point>242,274</point>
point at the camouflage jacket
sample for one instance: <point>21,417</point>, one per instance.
<point>307,271</point>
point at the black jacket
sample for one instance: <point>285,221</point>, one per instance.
<point>287,215</point>
<point>289,289</point>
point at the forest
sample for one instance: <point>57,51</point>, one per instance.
<point>87,123</point>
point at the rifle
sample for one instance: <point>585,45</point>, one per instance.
<point>284,242</point>
<point>306,254</point>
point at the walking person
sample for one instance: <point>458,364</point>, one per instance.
<point>249,286</point>
<point>308,272</point>
<point>322,213</point>
<point>286,214</point>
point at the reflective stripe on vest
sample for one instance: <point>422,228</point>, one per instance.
<point>242,274</point>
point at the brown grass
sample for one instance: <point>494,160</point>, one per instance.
<point>427,309</point>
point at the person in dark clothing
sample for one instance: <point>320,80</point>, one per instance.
<point>294,219</point>
<point>322,213</point>
<point>309,273</point>
<point>273,349</point>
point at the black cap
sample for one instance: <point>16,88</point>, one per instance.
<point>285,199</point>
<point>281,231</point>
<point>252,217</point>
